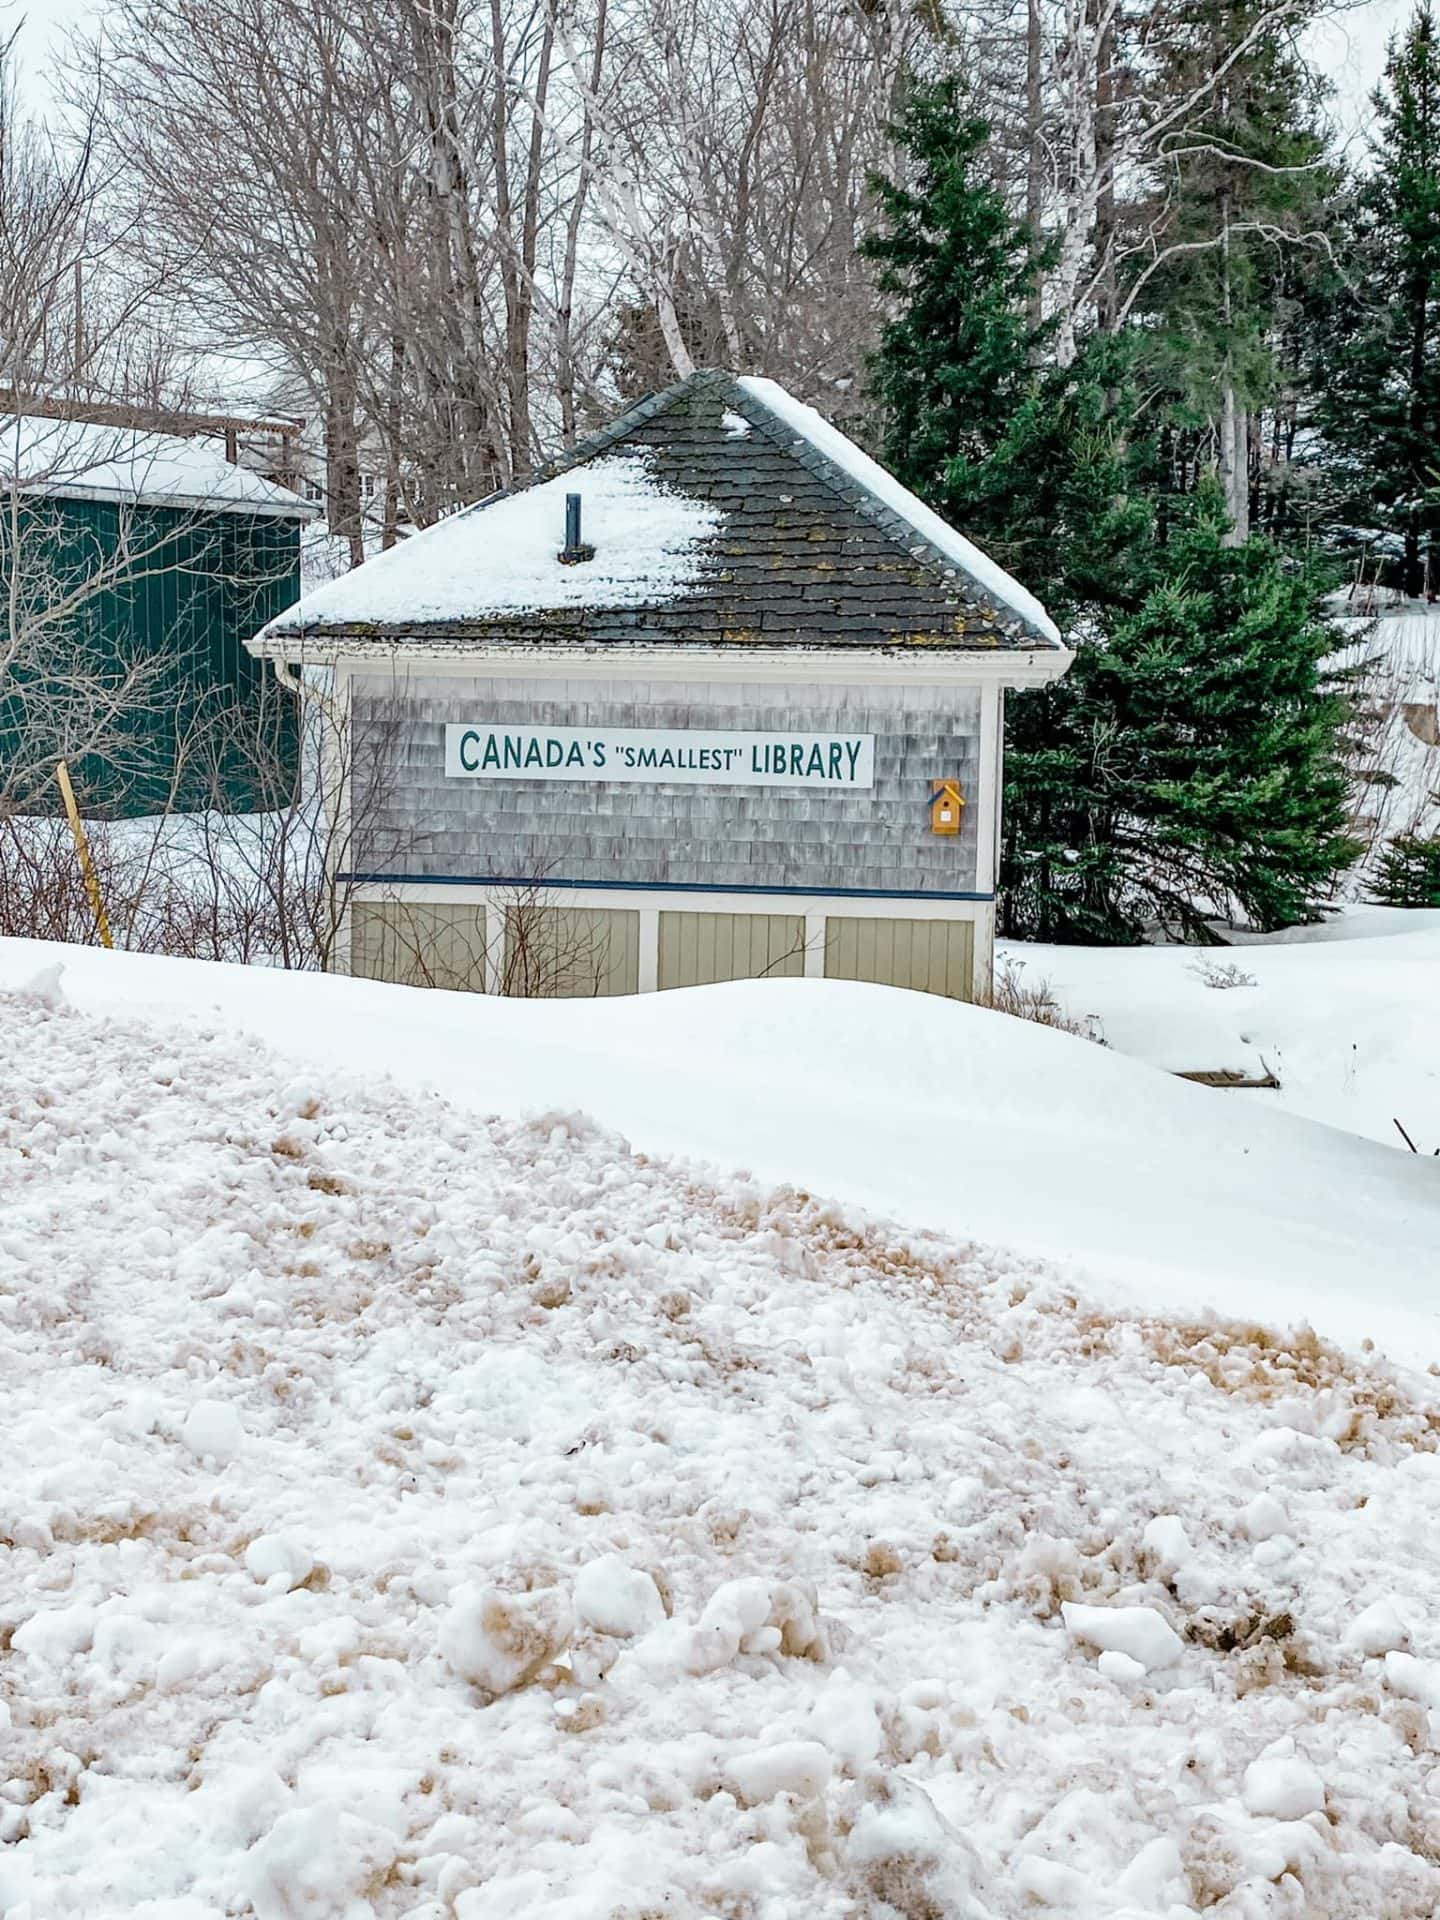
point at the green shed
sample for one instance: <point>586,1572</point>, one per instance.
<point>133,567</point>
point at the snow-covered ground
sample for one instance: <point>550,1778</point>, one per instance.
<point>416,1513</point>
<point>1400,655</point>
<point>943,1116</point>
<point>1349,1024</point>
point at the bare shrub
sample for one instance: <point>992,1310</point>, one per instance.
<point>266,888</point>
<point>551,951</point>
<point>42,889</point>
<point>1221,974</point>
<point>1037,1002</point>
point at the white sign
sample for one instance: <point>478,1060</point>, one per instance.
<point>683,756</point>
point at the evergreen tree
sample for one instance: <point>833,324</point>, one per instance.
<point>1187,764</point>
<point>1379,372</point>
<point>1196,752</point>
<point>954,364</point>
<point>1028,459</point>
<point>1410,872</point>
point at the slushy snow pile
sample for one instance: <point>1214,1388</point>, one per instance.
<point>1158,1192</point>
<point>411,1515</point>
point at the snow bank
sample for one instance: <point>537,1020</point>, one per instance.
<point>1161,1193</point>
<point>1283,1787</point>
<point>1144,1636</point>
<point>1399,655</point>
<point>615,1598</point>
<point>388,1653</point>
<point>1346,1024</point>
<point>501,556</point>
<point>1408,645</point>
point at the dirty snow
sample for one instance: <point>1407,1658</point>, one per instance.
<point>79,460</point>
<point>903,1103</point>
<point>350,1432</point>
<point>988,575</point>
<point>501,556</point>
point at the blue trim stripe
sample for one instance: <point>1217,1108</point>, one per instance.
<point>643,886</point>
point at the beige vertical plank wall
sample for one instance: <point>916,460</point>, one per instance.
<point>578,951</point>
<point>933,956</point>
<point>697,949</point>
<point>582,952</point>
<point>419,945</point>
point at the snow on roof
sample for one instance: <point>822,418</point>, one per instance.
<point>501,556</point>
<point>991,578</point>
<point>80,460</point>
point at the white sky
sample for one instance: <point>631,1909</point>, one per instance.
<point>43,25</point>
<point>1350,44</point>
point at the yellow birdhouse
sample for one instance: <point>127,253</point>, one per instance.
<point>947,803</point>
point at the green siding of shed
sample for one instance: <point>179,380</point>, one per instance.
<point>189,589</point>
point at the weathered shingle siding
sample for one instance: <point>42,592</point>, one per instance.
<point>424,825</point>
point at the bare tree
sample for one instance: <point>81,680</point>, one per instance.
<point>735,142</point>
<point>75,324</point>
<point>247,130</point>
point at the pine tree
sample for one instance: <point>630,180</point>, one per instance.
<point>1238,775</point>
<point>1187,764</point>
<point>1030,460</point>
<point>1380,372</point>
<point>1410,872</point>
<point>954,363</point>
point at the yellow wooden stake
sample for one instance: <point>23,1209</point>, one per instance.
<point>82,847</point>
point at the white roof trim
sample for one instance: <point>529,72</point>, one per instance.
<point>824,666</point>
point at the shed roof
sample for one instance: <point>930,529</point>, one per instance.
<point>722,512</point>
<point>86,460</point>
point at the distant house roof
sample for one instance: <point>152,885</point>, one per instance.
<point>83,460</point>
<point>721,512</point>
